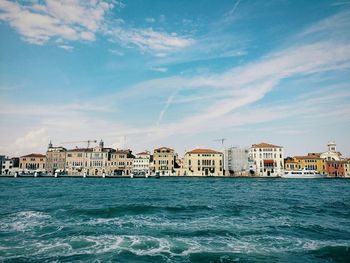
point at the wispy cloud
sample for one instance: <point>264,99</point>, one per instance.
<point>166,106</point>
<point>69,20</point>
<point>66,47</point>
<point>160,69</point>
<point>148,40</point>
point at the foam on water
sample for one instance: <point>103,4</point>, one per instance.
<point>233,220</point>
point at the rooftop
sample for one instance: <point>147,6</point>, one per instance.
<point>34,155</point>
<point>265,145</point>
<point>204,151</point>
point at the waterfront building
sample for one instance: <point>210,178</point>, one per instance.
<point>335,168</point>
<point>311,161</point>
<point>290,163</point>
<point>7,165</point>
<point>203,162</point>
<point>77,161</point>
<point>2,158</point>
<point>141,163</point>
<point>347,168</point>
<point>32,162</point>
<point>164,161</point>
<point>55,159</point>
<point>179,167</point>
<point>236,161</point>
<point>331,153</point>
<point>267,158</point>
<point>121,162</point>
<point>98,160</point>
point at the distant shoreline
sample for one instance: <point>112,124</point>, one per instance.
<point>161,177</point>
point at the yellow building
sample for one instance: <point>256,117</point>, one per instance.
<point>164,160</point>
<point>311,161</point>
<point>203,162</point>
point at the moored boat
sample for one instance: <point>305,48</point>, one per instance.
<point>303,174</point>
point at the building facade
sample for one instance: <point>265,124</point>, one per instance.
<point>98,160</point>
<point>268,159</point>
<point>33,162</point>
<point>336,168</point>
<point>331,154</point>
<point>141,164</point>
<point>203,162</point>
<point>121,162</point>
<point>55,159</point>
<point>7,166</point>
<point>236,161</point>
<point>164,161</point>
<point>347,168</point>
<point>312,161</point>
<point>77,161</point>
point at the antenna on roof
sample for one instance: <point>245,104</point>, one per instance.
<point>222,140</point>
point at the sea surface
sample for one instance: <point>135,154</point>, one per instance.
<point>174,220</point>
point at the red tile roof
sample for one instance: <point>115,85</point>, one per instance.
<point>308,157</point>
<point>265,145</point>
<point>81,150</point>
<point>143,153</point>
<point>164,148</point>
<point>204,151</point>
<point>35,155</point>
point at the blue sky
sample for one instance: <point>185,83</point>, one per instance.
<point>144,74</point>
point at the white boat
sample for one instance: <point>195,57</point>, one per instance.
<point>303,174</point>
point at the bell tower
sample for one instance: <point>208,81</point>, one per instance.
<point>332,147</point>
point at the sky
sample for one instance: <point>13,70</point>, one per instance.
<point>182,74</point>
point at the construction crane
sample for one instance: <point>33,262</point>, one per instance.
<point>87,141</point>
<point>222,140</point>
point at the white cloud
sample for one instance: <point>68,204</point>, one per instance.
<point>116,52</point>
<point>66,19</point>
<point>150,20</point>
<point>160,69</point>
<point>151,41</point>
<point>66,47</point>
<point>32,140</point>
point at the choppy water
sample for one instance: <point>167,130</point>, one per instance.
<point>174,220</point>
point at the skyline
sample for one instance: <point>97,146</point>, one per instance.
<point>175,74</point>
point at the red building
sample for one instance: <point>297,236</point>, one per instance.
<point>335,168</point>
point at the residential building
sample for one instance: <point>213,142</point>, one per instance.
<point>179,167</point>
<point>203,162</point>
<point>141,163</point>
<point>311,161</point>
<point>32,162</point>
<point>2,158</point>
<point>164,161</point>
<point>121,162</point>
<point>268,159</point>
<point>98,160</point>
<point>335,168</point>
<point>77,161</point>
<point>236,161</point>
<point>347,168</point>
<point>7,165</point>
<point>290,163</point>
<point>55,159</point>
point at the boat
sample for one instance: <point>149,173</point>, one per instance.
<point>303,174</point>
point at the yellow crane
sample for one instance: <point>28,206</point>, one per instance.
<point>87,141</point>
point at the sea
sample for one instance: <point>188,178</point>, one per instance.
<point>174,220</point>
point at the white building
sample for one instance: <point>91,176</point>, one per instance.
<point>7,165</point>
<point>141,164</point>
<point>267,158</point>
<point>331,154</point>
<point>236,161</point>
